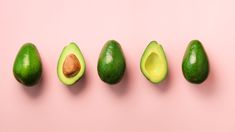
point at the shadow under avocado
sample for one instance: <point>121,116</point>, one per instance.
<point>36,90</point>
<point>121,88</point>
<point>208,87</point>
<point>164,86</point>
<point>79,86</point>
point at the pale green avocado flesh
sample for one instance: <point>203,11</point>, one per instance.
<point>71,49</point>
<point>154,63</point>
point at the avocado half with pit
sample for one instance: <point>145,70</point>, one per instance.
<point>154,63</point>
<point>71,65</point>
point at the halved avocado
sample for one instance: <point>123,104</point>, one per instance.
<point>71,65</point>
<point>154,63</point>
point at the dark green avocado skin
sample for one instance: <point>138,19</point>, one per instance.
<point>111,64</point>
<point>27,67</point>
<point>195,64</point>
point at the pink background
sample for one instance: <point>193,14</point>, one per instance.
<point>134,105</point>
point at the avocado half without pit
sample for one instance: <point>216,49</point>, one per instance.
<point>71,65</point>
<point>111,64</point>
<point>154,63</point>
<point>27,66</point>
<point>195,65</point>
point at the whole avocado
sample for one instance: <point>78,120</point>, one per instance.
<point>27,67</point>
<point>195,64</point>
<point>111,64</point>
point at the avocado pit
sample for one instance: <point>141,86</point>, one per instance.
<point>71,66</point>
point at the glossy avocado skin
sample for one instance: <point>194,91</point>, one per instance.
<point>27,67</point>
<point>111,63</point>
<point>195,64</point>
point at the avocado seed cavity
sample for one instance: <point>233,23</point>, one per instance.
<point>71,66</point>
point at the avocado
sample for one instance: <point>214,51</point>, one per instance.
<point>195,64</point>
<point>111,64</point>
<point>27,67</point>
<point>153,63</point>
<point>71,65</point>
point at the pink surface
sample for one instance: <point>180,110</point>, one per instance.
<point>134,105</point>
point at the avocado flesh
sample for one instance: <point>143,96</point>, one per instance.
<point>154,63</point>
<point>195,65</point>
<point>71,49</point>
<point>111,64</point>
<point>27,66</point>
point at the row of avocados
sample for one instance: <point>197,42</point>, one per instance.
<point>111,65</point>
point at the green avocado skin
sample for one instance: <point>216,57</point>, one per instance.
<point>27,67</point>
<point>195,64</point>
<point>111,64</point>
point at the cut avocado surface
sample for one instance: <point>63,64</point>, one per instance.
<point>154,63</point>
<point>71,64</point>
<point>195,65</point>
<point>111,64</point>
<point>27,67</point>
